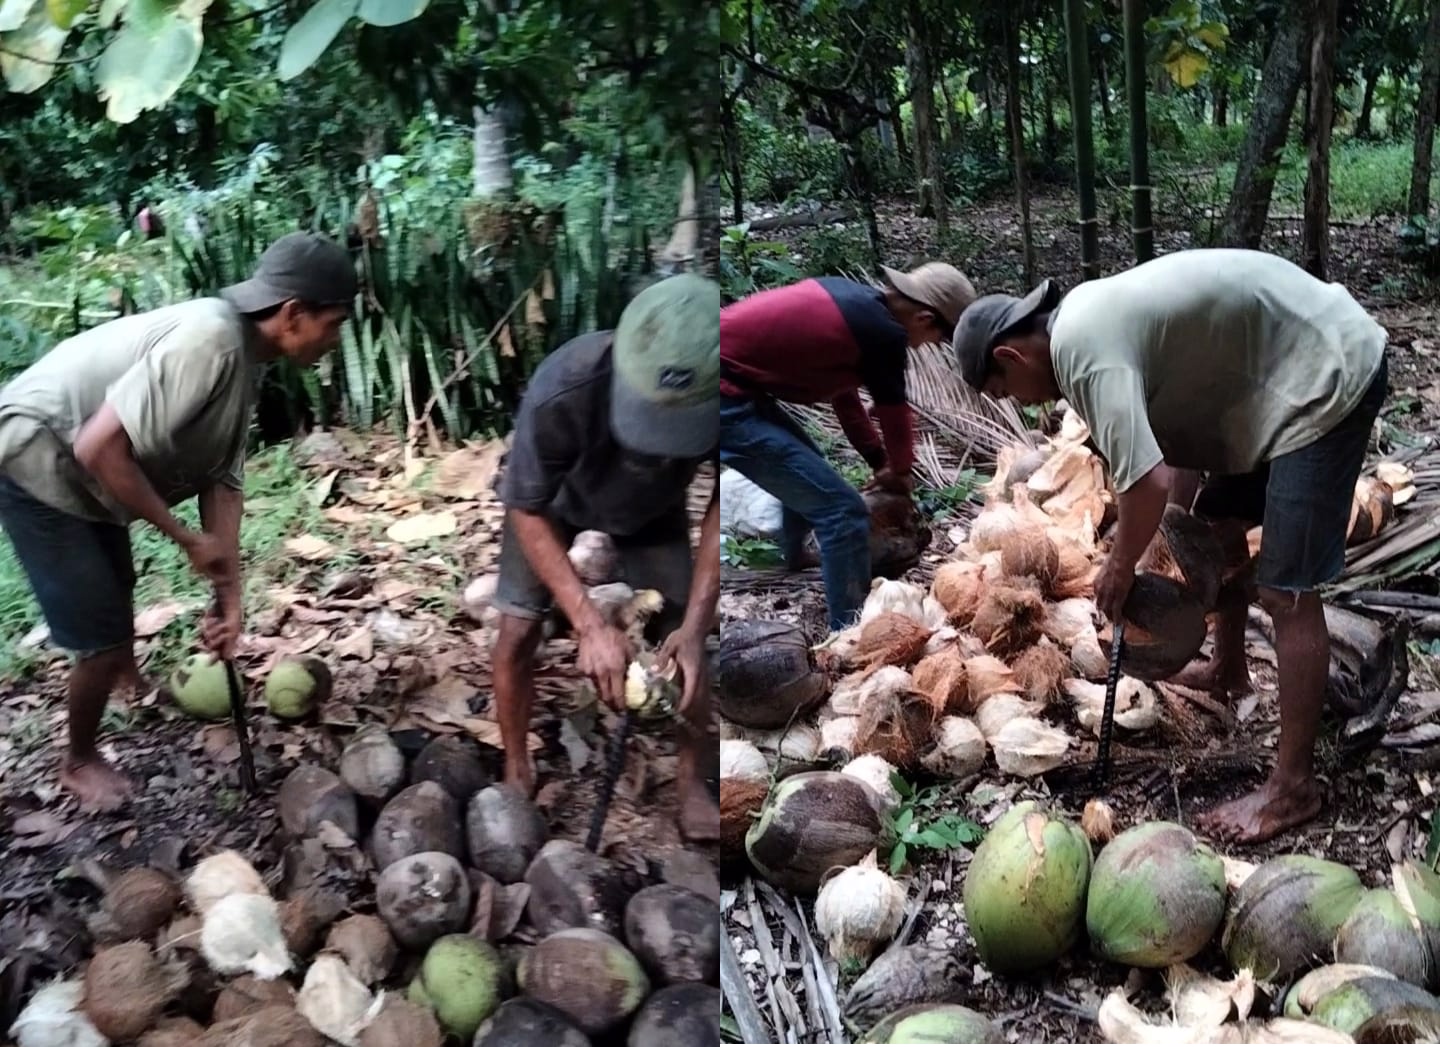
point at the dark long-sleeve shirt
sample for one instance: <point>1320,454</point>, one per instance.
<point>821,340</point>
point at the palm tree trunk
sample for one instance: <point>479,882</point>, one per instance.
<point>1010,21</point>
<point>1425,116</point>
<point>1316,247</point>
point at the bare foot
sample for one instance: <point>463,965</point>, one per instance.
<point>97,785</point>
<point>520,775</point>
<point>1265,813</point>
<point>1206,676</point>
<point>699,814</point>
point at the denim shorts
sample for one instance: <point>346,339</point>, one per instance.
<point>81,571</point>
<point>1302,499</point>
<point>657,557</point>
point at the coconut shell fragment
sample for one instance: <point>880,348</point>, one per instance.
<point>366,945</point>
<point>402,1023</point>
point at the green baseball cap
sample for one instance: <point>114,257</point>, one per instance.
<point>665,391</point>
<point>307,266</point>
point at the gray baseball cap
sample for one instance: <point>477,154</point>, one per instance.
<point>307,266</point>
<point>991,317</point>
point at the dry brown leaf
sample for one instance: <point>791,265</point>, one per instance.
<point>392,589</point>
<point>507,345</point>
<point>422,528</point>
<point>346,514</point>
<point>40,829</point>
<point>359,644</point>
<point>320,493</point>
<point>154,619</point>
<point>309,547</point>
<point>220,744</point>
<point>468,472</point>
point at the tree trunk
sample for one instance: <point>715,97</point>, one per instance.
<point>1266,130</point>
<point>1011,22</point>
<point>680,252</point>
<point>952,116</point>
<point>1316,246</point>
<point>989,105</point>
<point>1102,84</point>
<point>493,176</point>
<point>1141,228</point>
<point>1425,116</point>
<point>1047,100</point>
<point>1077,39</point>
<point>1367,104</point>
<point>734,162</point>
<point>931,195</point>
<point>1222,106</point>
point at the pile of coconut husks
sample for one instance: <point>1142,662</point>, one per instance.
<point>998,667</point>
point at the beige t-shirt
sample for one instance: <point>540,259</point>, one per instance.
<point>182,381</point>
<point>1211,359</point>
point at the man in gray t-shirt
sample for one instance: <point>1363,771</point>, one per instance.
<point>611,432</point>
<point>1239,365</point>
<point>126,420</point>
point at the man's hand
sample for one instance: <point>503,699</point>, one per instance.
<point>684,648</point>
<point>888,479</point>
<point>1112,586</point>
<point>220,631</point>
<point>604,656</point>
<point>212,557</point>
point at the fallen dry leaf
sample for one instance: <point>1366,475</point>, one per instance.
<point>394,589</point>
<point>345,514</point>
<point>154,619</point>
<point>422,527</point>
<point>359,644</point>
<point>468,472</point>
<point>219,743</point>
<point>40,829</point>
<point>309,547</point>
<point>320,493</point>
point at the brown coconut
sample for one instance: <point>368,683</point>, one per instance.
<point>126,988</point>
<point>985,676</point>
<point>1164,628</point>
<point>1041,670</point>
<point>765,674</point>
<point>896,727</point>
<point>812,823</point>
<point>1029,552</point>
<point>1075,576</point>
<point>1186,550</point>
<point>271,1027</point>
<point>366,945</point>
<point>675,933</point>
<point>248,994</point>
<point>305,915</point>
<point>402,1023</point>
<point>1008,619</point>
<point>959,586</point>
<point>890,639</point>
<point>311,795</point>
<point>587,974</point>
<point>372,765</point>
<point>940,677</point>
<point>423,897</point>
<point>453,763</point>
<point>741,801</point>
<point>571,887</point>
<point>137,904</point>
<point>173,1032</point>
<point>423,817</point>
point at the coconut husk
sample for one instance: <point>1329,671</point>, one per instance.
<point>1028,551</point>
<point>1008,619</point>
<point>959,586</point>
<point>959,749</point>
<point>1029,747</point>
<point>126,989</point>
<point>890,639</point>
<point>1041,670</point>
<point>741,801</point>
<point>940,677</point>
<point>1371,510</point>
<point>1068,620</point>
<point>857,690</point>
<point>137,904</point>
<point>1074,576</point>
<point>838,732</point>
<point>890,595</point>
<point>985,677</point>
<point>1014,464</point>
<point>1071,488</point>
<point>992,524</point>
<point>1186,550</point>
<point>1088,657</point>
<point>896,727</point>
<point>995,712</point>
<point>1098,822</point>
<point>1136,707</point>
<point>1164,628</point>
<point>248,994</point>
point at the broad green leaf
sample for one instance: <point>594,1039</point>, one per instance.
<point>150,57</point>
<point>39,39</point>
<point>14,12</point>
<point>1212,36</point>
<point>1186,66</point>
<point>391,12</point>
<point>307,39</point>
<point>64,12</point>
<point>897,858</point>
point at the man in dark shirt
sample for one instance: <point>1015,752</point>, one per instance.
<point>817,341</point>
<point>611,431</point>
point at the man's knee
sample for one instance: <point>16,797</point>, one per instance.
<point>516,640</point>
<point>1280,603</point>
<point>844,515</point>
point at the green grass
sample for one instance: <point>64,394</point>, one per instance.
<point>278,505</point>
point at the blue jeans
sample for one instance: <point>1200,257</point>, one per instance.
<point>758,441</point>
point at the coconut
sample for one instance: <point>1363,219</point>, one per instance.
<point>959,586</point>
<point>812,822</point>
<point>858,910</point>
<point>934,1023</point>
<point>296,686</point>
<point>201,688</point>
<point>55,1017</point>
<point>334,1001</point>
<point>305,915</point>
<point>859,690</point>
<point>454,764</point>
<point>898,535</point>
<point>311,795</point>
<point>241,932</point>
<point>838,733</point>
<point>933,616</point>
<point>896,727</point>
<point>461,978</point>
<point>594,557</point>
<point>1360,1000</point>
<point>998,710</point>
<point>272,1027</point>
<point>1418,889</point>
<point>992,525</point>
<point>423,897</point>
<point>925,972</point>
<point>173,1032</point>
<point>740,759</point>
<point>1024,892</point>
<point>402,1023</point>
<point>1040,671</point>
<point>1379,933</point>
<point>765,676</point>
<point>372,764</point>
<point>366,945</point>
<point>794,748</point>
<point>572,887</point>
<point>741,802</point>
<point>529,1023</point>
<point>679,1014</point>
<point>1089,658</point>
<point>1075,578</point>
<point>1312,987</point>
<point>1029,551</point>
<point>422,817</point>
<point>959,749</point>
<point>1287,913</point>
<point>126,988</point>
<point>138,903</point>
<point>1098,822</point>
<point>1008,619</point>
<point>895,596</point>
<point>588,975</point>
<point>1157,896</point>
<point>875,771</point>
<point>1186,549</point>
<point>1029,747</point>
<point>1164,628</point>
<point>941,678</point>
<point>219,876</point>
<point>985,677</point>
<point>675,933</point>
<point>249,994</point>
<point>1136,707</point>
<point>505,831</point>
<point>890,639</point>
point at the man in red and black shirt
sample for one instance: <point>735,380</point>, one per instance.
<point>818,341</point>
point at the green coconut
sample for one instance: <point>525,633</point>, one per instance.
<point>1319,983</point>
<point>200,688</point>
<point>1418,889</point>
<point>1025,889</point>
<point>1359,1000</point>
<point>1380,933</point>
<point>1287,913</point>
<point>461,979</point>
<point>1157,896</point>
<point>296,686</point>
<point>934,1023</point>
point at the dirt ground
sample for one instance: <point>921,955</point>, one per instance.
<point>1377,809</point>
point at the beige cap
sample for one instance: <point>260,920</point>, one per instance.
<point>940,286</point>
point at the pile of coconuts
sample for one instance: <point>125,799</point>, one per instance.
<point>419,904</point>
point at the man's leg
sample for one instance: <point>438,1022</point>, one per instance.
<point>1307,512</point>
<point>780,462</point>
<point>83,579</point>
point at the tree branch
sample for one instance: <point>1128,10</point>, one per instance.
<point>831,94</point>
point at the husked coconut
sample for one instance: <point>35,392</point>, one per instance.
<point>594,557</point>
<point>372,764</point>
<point>959,587</point>
<point>998,710</point>
<point>741,801</point>
<point>454,764</point>
<point>858,910</point>
<point>1136,707</point>
<point>588,975</point>
<point>137,904</point>
<point>1028,747</point>
<point>421,818</point>
<point>248,994</point>
<point>55,1017</point>
<point>903,975</point>
<point>890,639</point>
<point>219,876</point>
<point>241,932</point>
<point>740,759</point>
<point>793,748</point>
<point>678,1014</point>
<point>959,749</point>
<point>305,915</point>
<point>505,830</point>
<point>422,897</point>
<point>311,796</point>
<point>875,771</point>
<point>1041,670</point>
<point>899,597</point>
<point>1065,621</point>
<point>858,690</point>
<point>675,933</point>
<point>812,822</point>
<point>986,677</point>
<point>766,676</point>
<point>126,988</point>
<point>523,1022</point>
<point>402,1023</point>
<point>366,945</point>
<point>173,1032</point>
<point>1089,658</point>
<point>1008,619</point>
<point>271,1027</point>
<point>941,678</point>
<point>572,887</point>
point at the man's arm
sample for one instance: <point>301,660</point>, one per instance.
<point>859,428</point>
<point>1141,508</point>
<point>705,584</point>
<point>103,449</point>
<point>221,507</point>
<point>550,560</point>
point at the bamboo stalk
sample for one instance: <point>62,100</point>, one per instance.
<point>1141,223</point>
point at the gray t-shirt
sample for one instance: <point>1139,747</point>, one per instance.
<point>181,379</point>
<point>565,463</point>
<point>1211,359</point>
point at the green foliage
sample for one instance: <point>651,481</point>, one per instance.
<point>748,265</point>
<point>918,823</point>
<point>749,552</point>
<point>943,502</point>
<point>833,250</point>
